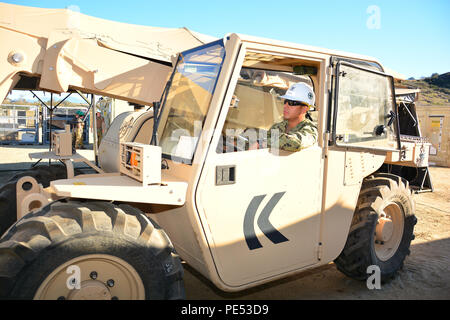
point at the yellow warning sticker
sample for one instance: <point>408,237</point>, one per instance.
<point>435,123</point>
<point>79,184</point>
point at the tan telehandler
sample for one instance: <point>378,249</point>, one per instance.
<point>190,187</point>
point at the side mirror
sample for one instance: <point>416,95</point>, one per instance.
<point>381,129</point>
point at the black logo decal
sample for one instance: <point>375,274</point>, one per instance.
<point>263,222</point>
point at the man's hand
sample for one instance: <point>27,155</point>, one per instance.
<point>254,146</point>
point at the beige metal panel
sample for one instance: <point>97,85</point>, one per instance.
<point>108,151</point>
<point>296,178</point>
<point>190,244</point>
<point>359,165</point>
<point>143,128</point>
<point>322,97</point>
<point>412,155</point>
<point>66,62</point>
<point>126,127</point>
<point>29,199</point>
<point>121,188</point>
<point>341,197</point>
<point>434,123</point>
<point>68,160</point>
<point>62,142</point>
<point>10,79</point>
<point>18,53</point>
<point>78,63</point>
<point>141,162</point>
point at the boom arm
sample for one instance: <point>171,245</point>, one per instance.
<point>63,62</point>
<point>67,50</point>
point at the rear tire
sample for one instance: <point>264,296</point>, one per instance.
<point>107,242</point>
<point>384,200</point>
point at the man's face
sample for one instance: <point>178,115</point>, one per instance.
<point>293,112</point>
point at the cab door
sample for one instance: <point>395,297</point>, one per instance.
<point>261,207</point>
<point>364,108</point>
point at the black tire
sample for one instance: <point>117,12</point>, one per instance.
<point>378,192</point>
<point>43,241</point>
<point>8,206</point>
<point>43,175</point>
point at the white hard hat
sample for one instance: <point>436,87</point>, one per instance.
<point>300,92</point>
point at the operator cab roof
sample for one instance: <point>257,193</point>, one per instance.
<point>283,45</point>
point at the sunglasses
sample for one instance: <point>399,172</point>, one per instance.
<point>295,103</point>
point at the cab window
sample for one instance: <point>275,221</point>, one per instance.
<point>256,106</point>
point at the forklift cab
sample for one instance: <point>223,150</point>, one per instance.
<point>273,209</point>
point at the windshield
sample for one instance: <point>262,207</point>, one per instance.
<point>188,100</point>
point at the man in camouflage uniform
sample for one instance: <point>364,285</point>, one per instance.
<point>78,131</point>
<point>100,126</point>
<point>295,132</point>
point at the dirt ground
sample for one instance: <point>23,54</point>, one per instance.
<point>425,275</point>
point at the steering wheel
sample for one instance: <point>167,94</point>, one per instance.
<point>241,141</point>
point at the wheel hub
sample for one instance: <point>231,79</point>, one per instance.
<point>384,230</point>
<point>91,290</point>
<point>101,277</point>
<point>389,231</point>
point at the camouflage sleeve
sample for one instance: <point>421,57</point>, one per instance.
<point>296,141</point>
<point>299,140</point>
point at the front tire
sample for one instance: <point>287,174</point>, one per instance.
<point>116,251</point>
<point>382,228</point>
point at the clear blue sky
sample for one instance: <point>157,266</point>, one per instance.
<point>411,37</point>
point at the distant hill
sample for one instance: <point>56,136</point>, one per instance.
<point>434,90</point>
